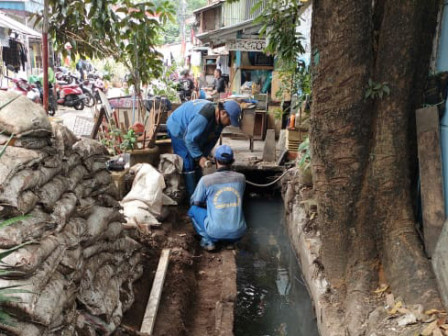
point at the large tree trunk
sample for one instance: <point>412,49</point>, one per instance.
<point>342,60</point>
<point>364,154</point>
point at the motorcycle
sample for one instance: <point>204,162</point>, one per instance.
<point>52,104</point>
<point>22,87</point>
<point>70,95</point>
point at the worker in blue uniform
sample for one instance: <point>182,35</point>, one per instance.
<point>217,203</point>
<point>194,129</point>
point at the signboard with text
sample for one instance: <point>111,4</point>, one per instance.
<point>246,45</point>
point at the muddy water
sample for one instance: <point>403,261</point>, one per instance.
<point>272,298</point>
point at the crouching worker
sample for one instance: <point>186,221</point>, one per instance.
<point>194,129</point>
<point>217,203</point>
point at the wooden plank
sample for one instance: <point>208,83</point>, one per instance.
<point>430,165</point>
<point>156,293</point>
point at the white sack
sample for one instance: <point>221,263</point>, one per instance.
<point>147,188</point>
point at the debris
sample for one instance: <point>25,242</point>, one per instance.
<point>407,319</point>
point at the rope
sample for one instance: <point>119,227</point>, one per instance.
<point>267,184</point>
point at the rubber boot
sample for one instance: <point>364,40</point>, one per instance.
<point>190,183</point>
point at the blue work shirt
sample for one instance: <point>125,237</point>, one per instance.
<point>195,123</point>
<point>222,193</point>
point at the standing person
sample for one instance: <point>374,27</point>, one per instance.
<point>186,86</point>
<point>217,203</point>
<point>219,85</point>
<point>194,129</point>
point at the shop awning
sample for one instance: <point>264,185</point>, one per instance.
<point>7,22</point>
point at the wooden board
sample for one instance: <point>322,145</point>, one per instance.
<point>430,165</point>
<point>156,293</point>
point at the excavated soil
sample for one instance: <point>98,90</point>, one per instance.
<point>199,289</point>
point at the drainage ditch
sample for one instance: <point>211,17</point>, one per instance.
<point>272,296</point>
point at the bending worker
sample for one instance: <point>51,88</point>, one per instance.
<point>217,203</point>
<point>194,129</point>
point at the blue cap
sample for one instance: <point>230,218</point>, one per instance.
<point>234,111</point>
<point>224,154</point>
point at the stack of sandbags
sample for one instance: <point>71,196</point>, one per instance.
<point>72,255</point>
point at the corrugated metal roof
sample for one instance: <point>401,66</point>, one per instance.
<point>213,5</point>
<point>7,22</point>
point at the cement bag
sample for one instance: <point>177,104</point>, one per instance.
<point>171,168</point>
<point>22,117</point>
<point>37,225</point>
<point>88,147</point>
<point>15,159</point>
<point>137,214</point>
<point>147,188</point>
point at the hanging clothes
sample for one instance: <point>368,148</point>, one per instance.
<point>15,55</point>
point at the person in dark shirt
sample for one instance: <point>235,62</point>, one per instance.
<point>220,83</point>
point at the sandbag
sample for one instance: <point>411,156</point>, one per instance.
<point>75,176</point>
<point>88,147</point>
<point>98,222</point>
<point>25,142</point>
<point>34,286</point>
<point>35,226</point>
<point>138,215</point>
<point>20,328</point>
<point>147,188</point>
<point>51,192</point>
<point>22,117</point>
<point>20,205</point>
<point>170,166</point>
<point>63,139</point>
<point>68,163</point>
<point>15,159</point>
<point>126,246</point>
<point>96,163</point>
<point>47,173</point>
<point>24,261</point>
<point>64,209</point>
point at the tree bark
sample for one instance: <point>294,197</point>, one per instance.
<point>341,117</point>
<point>363,150</point>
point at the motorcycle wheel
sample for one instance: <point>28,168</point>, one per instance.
<point>79,105</point>
<point>89,101</point>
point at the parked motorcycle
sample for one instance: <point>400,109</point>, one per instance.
<point>70,95</point>
<point>22,87</point>
<point>52,104</point>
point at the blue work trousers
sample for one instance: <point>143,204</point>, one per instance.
<point>198,216</point>
<point>192,172</point>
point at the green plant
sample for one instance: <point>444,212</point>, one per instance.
<point>376,90</point>
<point>277,113</point>
<point>129,140</point>
<point>125,30</point>
<point>305,151</point>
